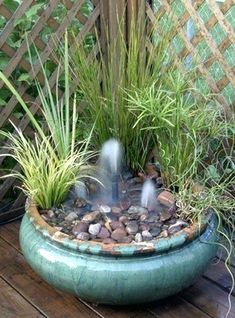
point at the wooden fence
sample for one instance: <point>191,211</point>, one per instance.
<point>194,41</point>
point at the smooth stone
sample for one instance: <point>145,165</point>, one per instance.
<point>164,233</point>
<point>107,225</point>
<point>50,214</point>
<point>59,228</point>
<point>124,219</point>
<point>91,217</point>
<point>144,227</point>
<point>179,223</point>
<point>143,217</point>
<point>71,217</point>
<point>147,236</point>
<point>116,225</point>
<point>104,233</point>
<point>153,218</point>
<point>135,209</point>
<point>43,216</point>
<point>94,229</point>
<point>116,210</point>
<point>138,238</point>
<point>174,229</point>
<point>166,198</point>
<point>126,239</point>
<point>165,215</point>
<point>173,208</point>
<point>104,208</point>
<point>118,234</point>
<point>155,231</point>
<point>83,236</point>
<point>79,227</point>
<point>132,228</point>
<point>80,202</point>
<point>108,241</point>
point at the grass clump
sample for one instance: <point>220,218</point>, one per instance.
<point>53,162</point>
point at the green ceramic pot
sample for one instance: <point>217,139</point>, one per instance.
<point>117,273</point>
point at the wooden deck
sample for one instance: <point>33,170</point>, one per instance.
<point>24,295</point>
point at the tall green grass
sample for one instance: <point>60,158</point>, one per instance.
<point>51,162</point>
<point>104,83</point>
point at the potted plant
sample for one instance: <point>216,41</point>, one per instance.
<point>101,272</point>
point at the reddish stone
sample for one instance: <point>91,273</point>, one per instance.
<point>118,235</point>
<point>166,198</point>
<point>104,233</point>
<point>116,225</point>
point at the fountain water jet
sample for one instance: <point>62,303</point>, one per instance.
<point>110,162</point>
<point>148,199</point>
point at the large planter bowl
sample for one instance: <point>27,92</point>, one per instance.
<point>117,273</point>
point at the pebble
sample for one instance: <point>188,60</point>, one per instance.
<point>83,236</point>
<point>166,198</point>
<point>155,231</point>
<point>44,217</point>
<point>80,203</point>
<point>80,227</point>
<point>143,217</point>
<point>116,210</point>
<point>124,219</point>
<point>118,234</point>
<point>144,227</point>
<point>124,205</point>
<point>94,229</point>
<point>165,215</point>
<point>138,238</point>
<point>107,225</point>
<point>135,209</point>
<point>50,214</point>
<point>108,241</point>
<point>174,229</point>
<point>126,239</point>
<point>164,233</point>
<point>132,228</point>
<point>91,217</point>
<point>116,225</point>
<point>104,208</point>
<point>71,217</point>
<point>147,236</point>
<point>104,233</point>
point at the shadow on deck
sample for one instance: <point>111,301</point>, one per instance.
<point>24,295</point>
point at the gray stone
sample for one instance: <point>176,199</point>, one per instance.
<point>155,231</point>
<point>50,214</point>
<point>116,210</point>
<point>108,241</point>
<point>116,225</point>
<point>147,236</point>
<point>165,215</point>
<point>132,228</point>
<point>94,229</point>
<point>104,208</point>
<point>83,236</point>
<point>124,219</point>
<point>143,217</point>
<point>135,209</point>
<point>138,238</point>
<point>71,217</point>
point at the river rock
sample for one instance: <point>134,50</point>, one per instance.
<point>164,233</point>
<point>50,214</point>
<point>80,203</point>
<point>124,205</point>
<point>118,235</point>
<point>116,225</point>
<point>94,229</point>
<point>80,227</point>
<point>104,233</point>
<point>138,238</point>
<point>165,215</point>
<point>147,236</point>
<point>108,241</point>
<point>83,236</point>
<point>135,209</point>
<point>71,217</point>
<point>104,208</point>
<point>144,227</point>
<point>132,228</point>
<point>155,231</point>
<point>126,239</point>
<point>91,217</point>
<point>166,198</point>
<point>143,217</point>
<point>116,210</point>
<point>124,219</point>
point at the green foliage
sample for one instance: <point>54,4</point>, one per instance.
<point>104,83</point>
<point>51,163</point>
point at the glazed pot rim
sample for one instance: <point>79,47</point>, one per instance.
<point>156,246</point>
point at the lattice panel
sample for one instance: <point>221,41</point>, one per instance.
<point>203,36</point>
<point>45,23</point>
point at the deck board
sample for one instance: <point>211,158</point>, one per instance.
<point>208,297</point>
